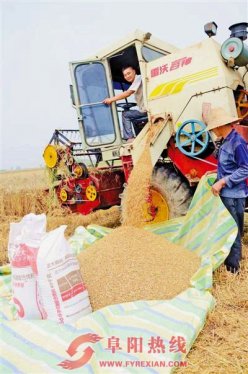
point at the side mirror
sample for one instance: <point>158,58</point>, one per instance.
<point>72,95</point>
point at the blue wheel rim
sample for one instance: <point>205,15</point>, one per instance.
<point>193,138</point>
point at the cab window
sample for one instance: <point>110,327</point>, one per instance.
<point>150,54</point>
<point>97,117</point>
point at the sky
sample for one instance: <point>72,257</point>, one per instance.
<point>39,38</point>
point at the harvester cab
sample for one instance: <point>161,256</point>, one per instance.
<point>179,88</point>
<point>100,77</point>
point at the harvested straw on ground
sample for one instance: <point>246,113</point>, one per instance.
<point>107,218</point>
<point>246,228</point>
<point>133,264</point>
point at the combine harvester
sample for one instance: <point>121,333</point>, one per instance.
<point>91,166</point>
<point>179,88</point>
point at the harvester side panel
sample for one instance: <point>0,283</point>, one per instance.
<point>175,79</point>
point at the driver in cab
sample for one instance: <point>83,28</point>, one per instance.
<point>132,77</point>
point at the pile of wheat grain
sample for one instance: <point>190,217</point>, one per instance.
<point>133,264</point>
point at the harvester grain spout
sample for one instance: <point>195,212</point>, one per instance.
<point>158,132</point>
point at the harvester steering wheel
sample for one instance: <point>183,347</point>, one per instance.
<point>126,106</point>
<point>195,137</point>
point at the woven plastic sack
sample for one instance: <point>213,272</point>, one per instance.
<point>24,242</point>
<point>62,289</point>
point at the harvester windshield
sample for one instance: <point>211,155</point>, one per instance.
<point>97,117</point>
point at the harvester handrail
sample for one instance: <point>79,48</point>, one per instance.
<point>199,94</point>
<point>90,104</point>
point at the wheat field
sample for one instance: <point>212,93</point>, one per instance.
<point>221,346</point>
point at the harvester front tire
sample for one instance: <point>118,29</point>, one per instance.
<point>174,189</point>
